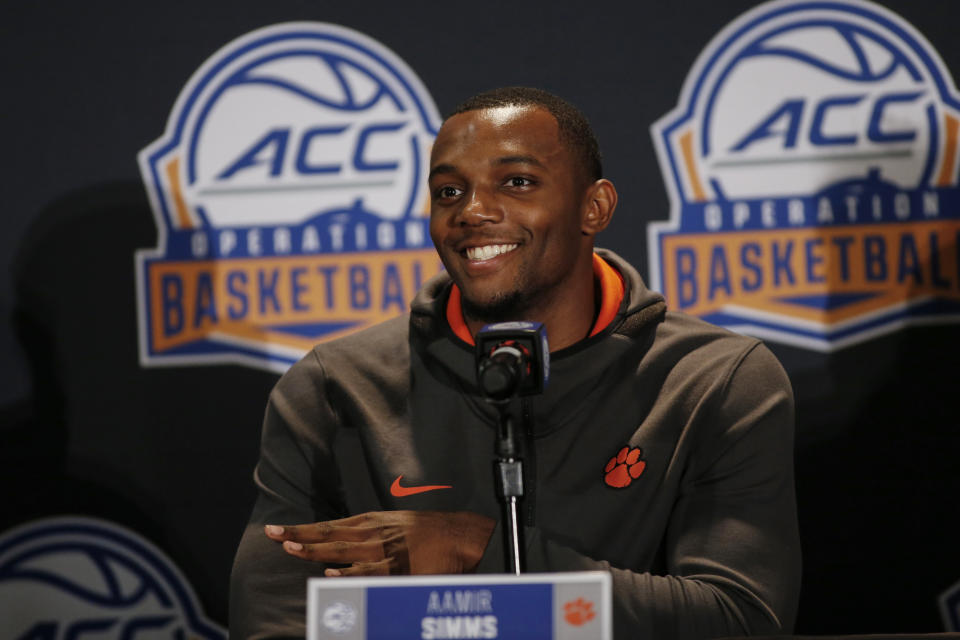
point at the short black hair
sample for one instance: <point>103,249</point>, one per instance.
<point>575,129</point>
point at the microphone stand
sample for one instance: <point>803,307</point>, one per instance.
<point>513,360</point>
<point>508,472</point>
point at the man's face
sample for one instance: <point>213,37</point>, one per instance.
<point>505,217</point>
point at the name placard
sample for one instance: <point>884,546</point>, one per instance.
<point>547,606</point>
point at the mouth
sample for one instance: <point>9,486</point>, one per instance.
<point>487,252</point>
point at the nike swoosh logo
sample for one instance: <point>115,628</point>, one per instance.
<point>400,492</point>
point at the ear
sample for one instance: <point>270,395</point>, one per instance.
<point>599,202</point>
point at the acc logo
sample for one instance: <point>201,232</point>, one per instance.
<point>289,192</point>
<point>339,617</point>
<point>80,577</point>
<point>812,169</point>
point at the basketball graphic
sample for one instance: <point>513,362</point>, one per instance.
<point>303,132</point>
<point>828,93</point>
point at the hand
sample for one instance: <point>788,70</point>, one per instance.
<point>391,542</point>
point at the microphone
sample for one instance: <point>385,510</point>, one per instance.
<point>512,359</point>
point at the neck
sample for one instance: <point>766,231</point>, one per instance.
<point>568,317</point>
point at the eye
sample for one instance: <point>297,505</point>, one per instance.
<point>519,181</point>
<point>446,191</point>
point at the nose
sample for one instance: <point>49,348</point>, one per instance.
<point>479,208</point>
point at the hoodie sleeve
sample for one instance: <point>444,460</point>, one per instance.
<point>732,546</point>
<point>297,481</point>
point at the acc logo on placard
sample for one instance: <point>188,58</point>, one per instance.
<point>290,196</point>
<point>812,169</point>
<point>81,577</point>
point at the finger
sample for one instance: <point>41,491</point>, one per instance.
<point>339,551</point>
<point>368,519</point>
<point>317,532</point>
<point>381,568</point>
<point>274,531</point>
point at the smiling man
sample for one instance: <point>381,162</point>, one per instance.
<point>513,216</point>
<point>660,452</point>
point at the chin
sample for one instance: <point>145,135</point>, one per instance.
<point>501,307</point>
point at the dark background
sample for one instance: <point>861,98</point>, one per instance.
<point>169,451</point>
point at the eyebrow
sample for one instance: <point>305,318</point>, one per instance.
<point>449,168</point>
<point>442,168</point>
<point>518,160</point>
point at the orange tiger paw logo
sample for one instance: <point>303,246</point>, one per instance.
<point>578,612</point>
<point>625,467</point>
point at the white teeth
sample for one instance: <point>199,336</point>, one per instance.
<point>489,251</point>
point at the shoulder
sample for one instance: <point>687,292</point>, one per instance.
<point>699,338</point>
<point>714,358</point>
<point>381,340</point>
<point>372,353</point>
<point>732,385</point>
